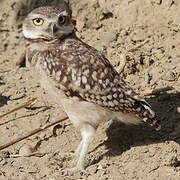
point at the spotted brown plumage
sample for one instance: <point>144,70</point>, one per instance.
<point>81,79</point>
<point>87,74</point>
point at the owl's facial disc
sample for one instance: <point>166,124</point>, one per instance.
<point>51,27</point>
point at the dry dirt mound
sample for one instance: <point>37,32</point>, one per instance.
<point>118,151</point>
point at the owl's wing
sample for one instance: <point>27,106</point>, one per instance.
<point>84,72</point>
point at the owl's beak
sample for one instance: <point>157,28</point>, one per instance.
<point>58,31</point>
<point>55,29</point>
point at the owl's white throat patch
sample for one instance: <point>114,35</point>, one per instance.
<point>30,35</point>
<point>27,34</point>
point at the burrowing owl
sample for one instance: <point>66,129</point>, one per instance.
<point>78,77</point>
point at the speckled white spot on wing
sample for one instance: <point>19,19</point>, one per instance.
<point>50,65</point>
<point>87,87</point>
<point>116,102</point>
<point>111,104</point>
<point>104,98</point>
<point>102,75</point>
<point>129,92</point>
<point>107,81</point>
<point>45,65</point>
<point>105,103</point>
<point>145,113</point>
<point>70,57</point>
<point>104,86</point>
<point>68,69</point>
<point>106,70</point>
<point>92,96</point>
<point>135,97</point>
<point>116,108</point>
<point>86,72</point>
<point>50,55</point>
<point>111,84</point>
<point>53,63</point>
<point>57,63</point>
<point>74,71</point>
<point>121,100</point>
<point>84,67</point>
<point>115,95</point>
<point>116,80</point>
<point>64,79</point>
<point>86,95</point>
<point>73,77</point>
<point>73,74</point>
<point>78,81</point>
<point>84,79</point>
<point>94,75</point>
<point>92,61</point>
<point>58,75</point>
<point>109,96</point>
<point>121,95</point>
<point>99,102</point>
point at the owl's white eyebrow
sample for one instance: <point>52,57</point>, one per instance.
<point>36,16</point>
<point>64,13</point>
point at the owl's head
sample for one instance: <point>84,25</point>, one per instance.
<point>47,23</point>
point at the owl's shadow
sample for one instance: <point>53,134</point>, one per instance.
<point>122,137</point>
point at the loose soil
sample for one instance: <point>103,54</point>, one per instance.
<point>118,152</point>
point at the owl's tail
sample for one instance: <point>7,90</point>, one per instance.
<point>148,115</point>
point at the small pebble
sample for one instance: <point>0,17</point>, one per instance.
<point>25,150</point>
<point>170,76</point>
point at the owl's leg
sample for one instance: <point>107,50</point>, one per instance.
<point>87,133</point>
<point>78,149</point>
<point>74,154</point>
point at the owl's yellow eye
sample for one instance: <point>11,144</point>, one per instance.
<point>62,19</point>
<point>38,21</point>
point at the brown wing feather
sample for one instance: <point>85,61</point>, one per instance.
<point>87,74</point>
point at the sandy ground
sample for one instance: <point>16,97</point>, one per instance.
<point>119,152</point>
